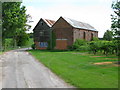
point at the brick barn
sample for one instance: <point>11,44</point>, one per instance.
<point>42,32</point>
<point>68,30</point>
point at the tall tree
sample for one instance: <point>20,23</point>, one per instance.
<point>116,24</point>
<point>108,35</point>
<point>116,18</point>
<point>14,21</point>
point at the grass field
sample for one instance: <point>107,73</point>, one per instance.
<point>79,69</point>
<point>0,52</point>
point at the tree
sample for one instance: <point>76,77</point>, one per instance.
<point>108,35</point>
<point>14,21</point>
<point>116,18</point>
<point>116,24</point>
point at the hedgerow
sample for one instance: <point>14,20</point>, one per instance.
<point>105,47</point>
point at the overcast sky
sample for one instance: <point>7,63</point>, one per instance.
<point>95,12</point>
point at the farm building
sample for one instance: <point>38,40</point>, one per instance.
<point>68,30</point>
<point>42,32</point>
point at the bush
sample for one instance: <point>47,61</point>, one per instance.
<point>8,43</point>
<point>108,47</point>
<point>94,46</point>
<point>70,48</point>
<point>33,46</point>
<point>116,46</point>
<point>79,45</point>
<point>22,39</point>
<point>95,39</point>
<point>83,48</point>
<point>78,42</point>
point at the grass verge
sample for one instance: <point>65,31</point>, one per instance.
<point>79,69</point>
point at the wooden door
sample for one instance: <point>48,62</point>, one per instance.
<point>61,44</point>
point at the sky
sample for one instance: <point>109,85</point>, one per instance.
<point>94,12</point>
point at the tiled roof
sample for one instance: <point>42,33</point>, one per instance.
<point>77,24</point>
<point>49,22</point>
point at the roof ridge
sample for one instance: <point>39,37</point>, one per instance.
<point>48,21</point>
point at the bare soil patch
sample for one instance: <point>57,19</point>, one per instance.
<point>78,53</point>
<point>106,63</point>
<point>103,63</point>
<point>116,65</point>
<point>97,56</point>
<point>111,58</point>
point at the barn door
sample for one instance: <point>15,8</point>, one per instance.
<point>61,44</point>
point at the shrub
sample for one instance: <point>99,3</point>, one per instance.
<point>108,47</point>
<point>116,46</point>
<point>33,46</point>
<point>78,42</point>
<point>8,43</point>
<point>94,46</point>
<point>22,39</point>
<point>83,48</point>
<point>70,48</point>
<point>95,39</point>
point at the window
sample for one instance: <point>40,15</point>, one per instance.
<point>41,23</point>
<point>91,36</point>
<point>79,34</point>
<point>41,33</point>
<point>84,35</point>
<point>43,44</point>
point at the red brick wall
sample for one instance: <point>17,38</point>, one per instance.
<point>63,30</point>
<point>79,34</point>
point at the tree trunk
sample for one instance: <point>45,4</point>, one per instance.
<point>14,42</point>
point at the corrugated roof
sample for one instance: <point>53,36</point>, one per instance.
<point>77,24</point>
<point>49,22</point>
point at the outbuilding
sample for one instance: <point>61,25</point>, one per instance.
<point>42,32</point>
<point>68,30</point>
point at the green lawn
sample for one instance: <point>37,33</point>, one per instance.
<point>78,69</point>
<point>0,52</point>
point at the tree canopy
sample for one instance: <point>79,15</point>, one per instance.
<point>108,35</point>
<point>116,18</point>
<point>116,24</point>
<point>14,22</point>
